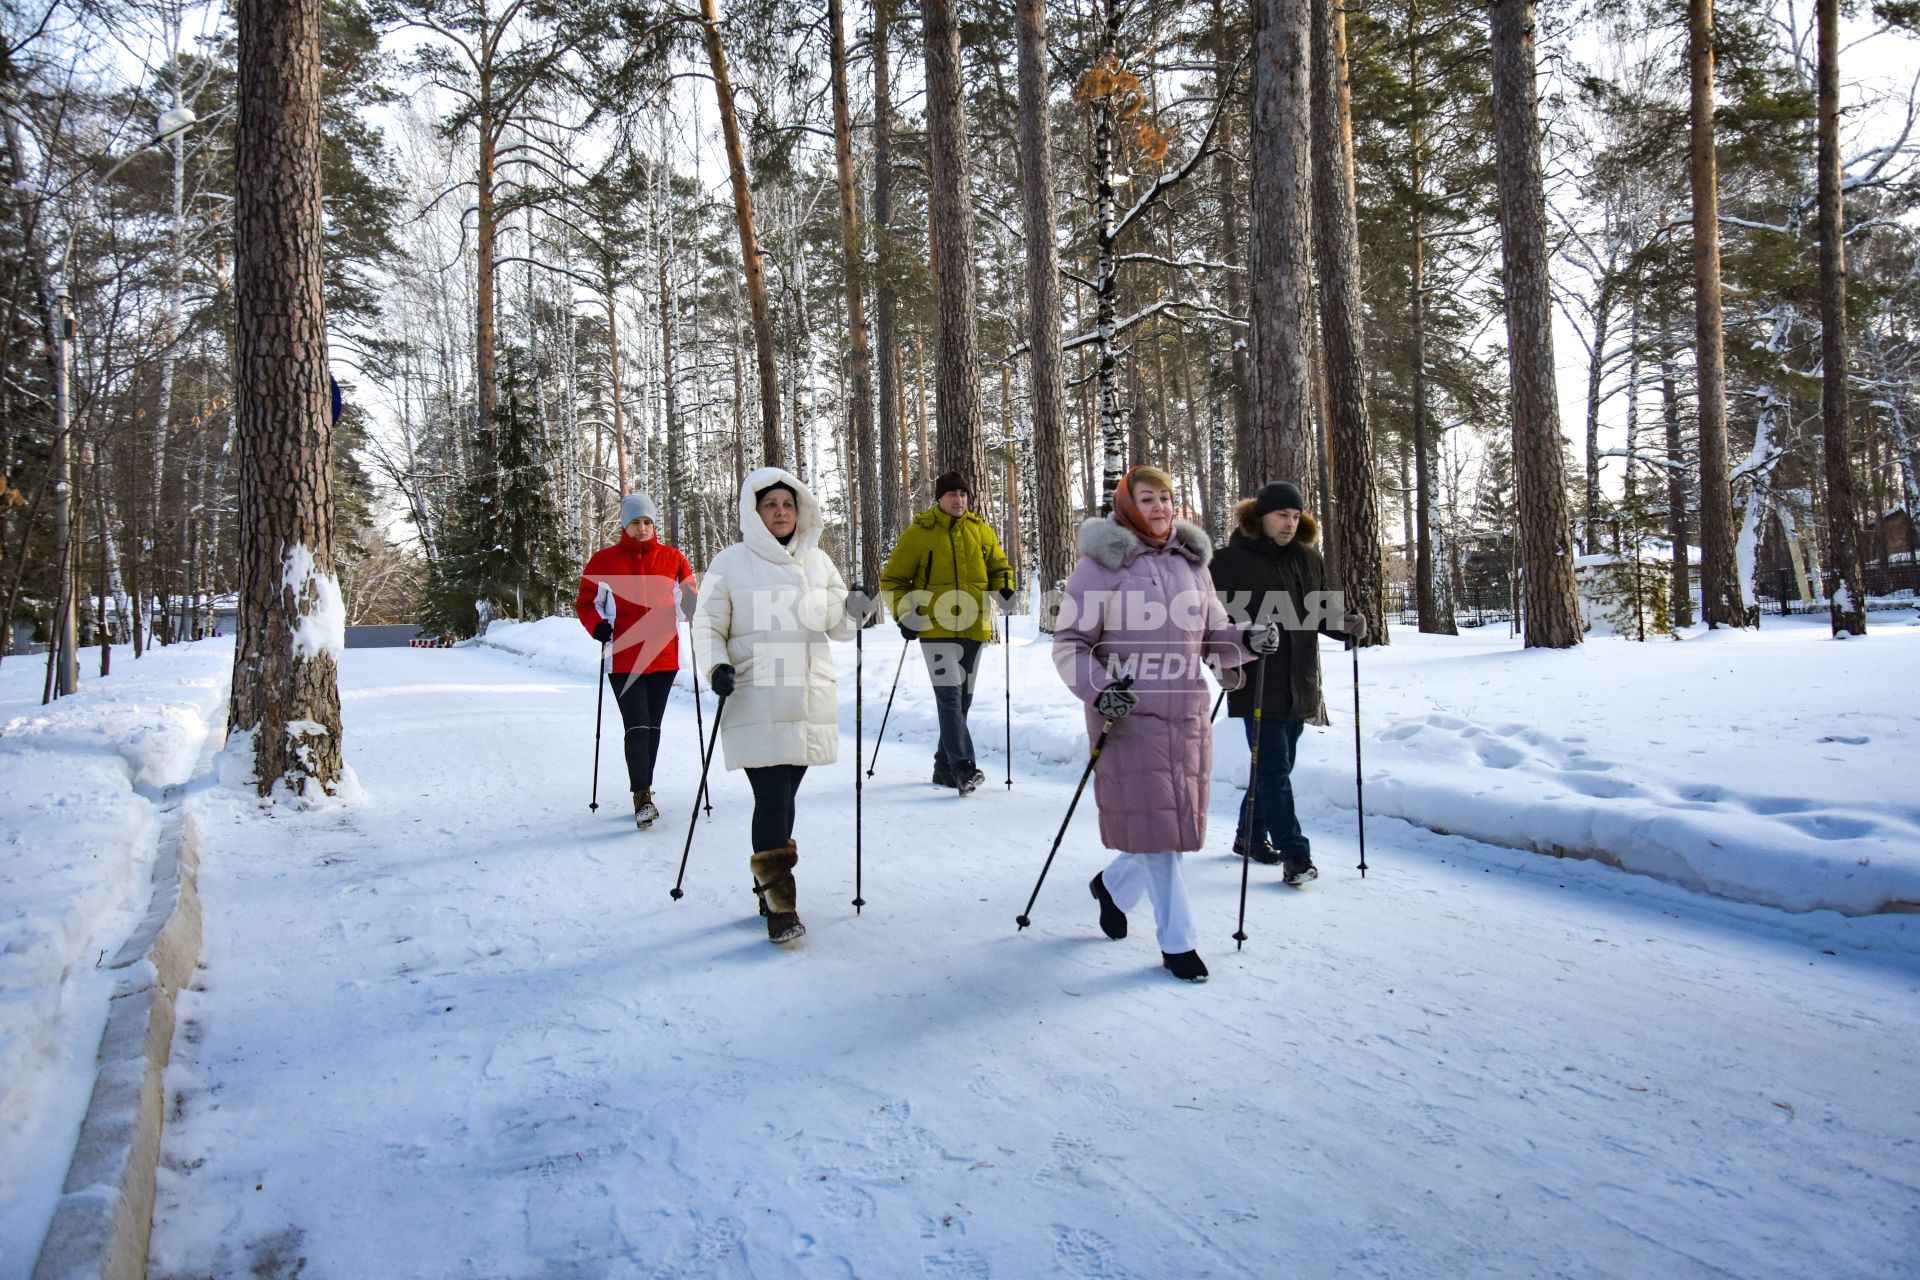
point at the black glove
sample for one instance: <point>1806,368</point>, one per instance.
<point>688,603</point>
<point>1006,595</point>
<point>603,631</point>
<point>1263,640</point>
<point>1114,702</point>
<point>720,680</point>
<point>907,632</point>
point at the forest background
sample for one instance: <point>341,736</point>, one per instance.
<point>538,219</point>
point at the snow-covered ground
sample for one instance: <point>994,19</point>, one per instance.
<point>457,1027</point>
<point>80,781</point>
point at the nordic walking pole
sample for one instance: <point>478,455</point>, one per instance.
<point>604,606</point>
<point>1216,706</point>
<point>599,711</point>
<point>693,818</point>
<point>1253,780</point>
<point>882,735</point>
<point>1099,744</point>
<point>859,670</point>
<point>699,728</point>
<point>1359,795</point>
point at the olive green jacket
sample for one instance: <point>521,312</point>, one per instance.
<point>938,577</point>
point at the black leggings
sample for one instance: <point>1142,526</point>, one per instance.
<point>643,704</point>
<point>774,788</point>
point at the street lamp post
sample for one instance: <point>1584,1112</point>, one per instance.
<point>172,124</point>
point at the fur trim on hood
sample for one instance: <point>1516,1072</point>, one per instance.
<point>1111,544</point>
<point>1247,521</point>
<point>754,531</point>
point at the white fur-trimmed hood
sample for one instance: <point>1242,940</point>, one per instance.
<point>1107,542</point>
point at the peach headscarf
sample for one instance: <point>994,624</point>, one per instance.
<point>1128,514</point>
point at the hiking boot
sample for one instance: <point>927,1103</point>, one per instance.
<point>1298,873</point>
<point>967,779</point>
<point>1185,966</point>
<point>943,778</point>
<point>1113,921</point>
<point>1263,853</point>
<point>644,812</point>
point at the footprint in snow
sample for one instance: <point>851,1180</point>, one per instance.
<point>1087,1254</point>
<point>955,1264</point>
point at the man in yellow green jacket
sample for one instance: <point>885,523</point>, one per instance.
<point>936,584</point>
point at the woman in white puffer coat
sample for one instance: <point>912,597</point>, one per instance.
<point>768,606</point>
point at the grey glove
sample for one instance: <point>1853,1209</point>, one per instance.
<point>720,680</point>
<point>862,604</point>
<point>1231,678</point>
<point>1114,703</point>
<point>1355,625</point>
<point>689,601</point>
<point>1263,640</point>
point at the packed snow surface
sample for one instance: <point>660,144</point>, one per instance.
<point>458,1028</point>
<point>452,1025</point>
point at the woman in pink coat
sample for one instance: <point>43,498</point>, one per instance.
<point>1140,603</point>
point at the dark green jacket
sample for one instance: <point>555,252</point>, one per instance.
<point>1261,581</point>
<point>940,572</point>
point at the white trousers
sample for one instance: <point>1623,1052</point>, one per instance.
<point>1156,876</point>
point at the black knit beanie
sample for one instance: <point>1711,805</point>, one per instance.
<point>948,482</point>
<point>1278,496</point>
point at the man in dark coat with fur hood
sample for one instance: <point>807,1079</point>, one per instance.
<point>1271,571</point>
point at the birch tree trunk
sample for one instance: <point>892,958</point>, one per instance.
<point>1356,528</point>
<point>956,372</point>
<point>285,688</point>
<point>1280,445</point>
<point>1719,582</point>
<point>773,452</point>
<point>1846,601</point>
<point>1546,540</point>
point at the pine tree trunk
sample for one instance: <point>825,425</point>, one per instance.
<point>1846,606</point>
<point>1356,531</point>
<point>1540,491</point>
<point>872,551</point>
<point>950,204</point>
<point>285,690</point>
<point>1435,612</point>
<point>1053,503</point>
<point>1719,583</point>
<point>1280,440</point>
<point>670,398</point>
<point>486,359</point>
<point>1226,174</point>
<point>892,488</point>
<point>772,448</point>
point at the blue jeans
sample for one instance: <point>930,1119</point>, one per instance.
<point>1273,790</point>
<point>954,668</point>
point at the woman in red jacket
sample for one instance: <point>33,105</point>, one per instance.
<point>635,580</point>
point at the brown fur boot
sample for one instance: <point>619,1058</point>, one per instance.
<point>773,882</point>
<point>644,811</point>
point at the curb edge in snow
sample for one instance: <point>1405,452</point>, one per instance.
<point>104,1217</point>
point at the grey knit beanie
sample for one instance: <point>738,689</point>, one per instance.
<point>637,506</point>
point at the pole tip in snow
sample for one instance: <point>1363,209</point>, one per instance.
<point>593,808</point>
<point>1022,921</point>
<point>1239,938</point>
<point>857,904</point>
<point>677,893</point>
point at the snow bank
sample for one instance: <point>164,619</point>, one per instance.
<point>77,824</point>
<point>1772,766</point>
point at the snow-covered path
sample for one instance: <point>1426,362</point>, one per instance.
<point>459,1029</point>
